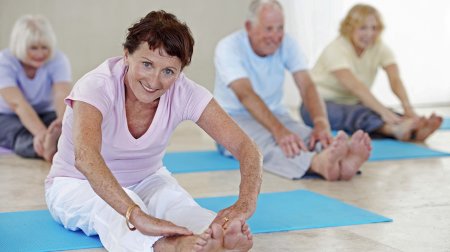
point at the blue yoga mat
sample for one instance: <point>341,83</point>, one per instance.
<point>276,212</point>
<point>445,124</point>
<point>388,149</point>
<point>297,210</point>
<point>37,231</point>
<point>203,161</point>
<point>198,161</point>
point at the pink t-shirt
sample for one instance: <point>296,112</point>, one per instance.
<point>130,160</point>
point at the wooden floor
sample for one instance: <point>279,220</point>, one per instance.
<point>415,193</point>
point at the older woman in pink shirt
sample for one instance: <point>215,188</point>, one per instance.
<point>108,177</point>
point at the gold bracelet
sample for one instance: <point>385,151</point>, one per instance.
<point>128,215</point>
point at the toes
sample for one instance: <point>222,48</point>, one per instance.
<point>217,231</point>
<point>358,135</point>
<point>341,135</point>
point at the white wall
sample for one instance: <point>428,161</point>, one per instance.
<point>89,31</point>
<point>417,31</point>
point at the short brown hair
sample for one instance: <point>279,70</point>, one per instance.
<point>355,18</point>
<point>162,29</point>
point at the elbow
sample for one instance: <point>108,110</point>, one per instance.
<point>16,107</point>
<point>81,160</point>
<point>256,154</point>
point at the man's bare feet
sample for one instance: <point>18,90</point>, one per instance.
<point>403,130</point>
<point>51,140</point>
<point>237,237</point>
<point>430,126</point>
<point>358,153</point>
<point>326,163</point>
<point>210,240</point>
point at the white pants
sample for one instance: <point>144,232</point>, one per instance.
<point>74,204</point>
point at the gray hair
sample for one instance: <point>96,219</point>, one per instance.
<point>256,6</point>
<point>29,30</point>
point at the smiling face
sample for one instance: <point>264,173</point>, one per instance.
<point>267,32</point>
<point>150,73</point>
<point>37,55</point>
<point>365,35</point>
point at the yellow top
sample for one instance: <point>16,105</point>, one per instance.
<point>339,55</point>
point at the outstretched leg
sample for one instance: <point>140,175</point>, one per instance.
<point>326,163</point>
<point>358,153</point>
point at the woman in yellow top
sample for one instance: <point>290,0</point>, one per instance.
<point>345,72</point>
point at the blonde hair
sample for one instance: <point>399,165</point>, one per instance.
<point>29,30</point>
<point>356,17</point>
<point>256,6</point>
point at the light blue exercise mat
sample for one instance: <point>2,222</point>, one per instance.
<point>37,231</point>
<point>389,149</point>
<point>198,161</point>
<point>204,161</point>
<point>297,210</point>
<point>282,211</point>
<point>445,124</point>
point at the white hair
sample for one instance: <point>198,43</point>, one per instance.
<point>29,30</point>
<point>256,6</point>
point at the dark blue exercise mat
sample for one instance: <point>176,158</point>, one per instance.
<point>37,231</point>
<point>389,149</point>
<point>297,210</point>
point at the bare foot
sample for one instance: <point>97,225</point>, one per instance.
<point>359,151</point>
<point>51,140</point>
<point>403,130</point>
<point>431,125</point>
<point>326,163</point>
<point>210,240</point>
<point>237,237</point>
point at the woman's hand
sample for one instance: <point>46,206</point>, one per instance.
<point>409,112</point>
<point>390,117</point>
<point>241,210</point>
<point>152,226</point>
<point>38,143</point>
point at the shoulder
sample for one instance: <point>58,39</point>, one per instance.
<point>59,55</point>
<point>183,85</point>
<point>380,45</point>
<point>289,40</point>
<point>59,59</point>
<point>111,69</point>
<point>107,76</point>
<point>234,40</point>
<point>185,91</point>
<point>8,60</point>
<point>339,45</point>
